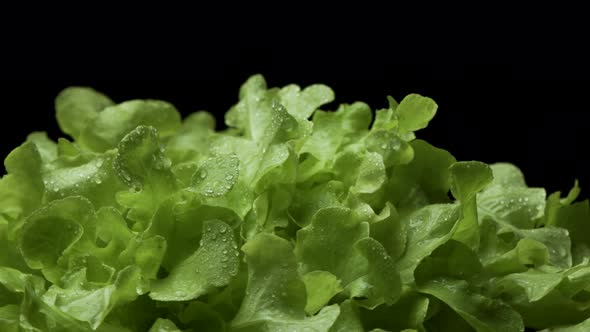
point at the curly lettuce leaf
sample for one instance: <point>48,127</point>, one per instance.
<point>275,295</point>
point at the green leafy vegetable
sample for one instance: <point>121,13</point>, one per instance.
<point>292,219</point>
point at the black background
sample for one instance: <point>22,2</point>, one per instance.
<point>495,104</point>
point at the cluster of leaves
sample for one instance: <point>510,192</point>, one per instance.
<point>292,219</point>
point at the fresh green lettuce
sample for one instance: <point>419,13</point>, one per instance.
<point>291,219</point>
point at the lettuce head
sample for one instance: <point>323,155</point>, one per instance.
<point>293,219</point>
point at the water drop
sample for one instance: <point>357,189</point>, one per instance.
<point>99,162</point>
<point>97,181</point>
<point>209,191</point>
<point>180,293</point>
<point>163,163</point>
<point>222,230</point>
<point>384,146</point>
<point>203,174</point>
<point>224,252</point>
<point>223,239</point>
<point>224,259</point>
<point>229,177</point>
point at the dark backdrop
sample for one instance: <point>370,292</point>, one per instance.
<point>530,113</point>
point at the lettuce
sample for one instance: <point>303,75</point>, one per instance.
<point>291,219</point>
